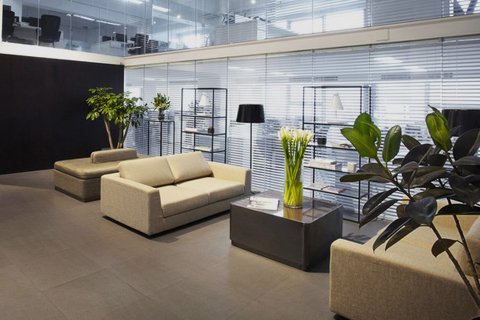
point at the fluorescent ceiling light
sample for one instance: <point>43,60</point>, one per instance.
<point>389,60</point>
<point>233,67</point>
<point>159,8</point>
<point>135,1</point>
<point>83,17</point>
<point>150,79</point>
<point>179,16</point>
<point>110,23</point>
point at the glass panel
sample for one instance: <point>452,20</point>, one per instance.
<point>160,23</point>
<point>246,21</point>
<point>183,26</point>
<point>289,18</point>
<point>210,16</point>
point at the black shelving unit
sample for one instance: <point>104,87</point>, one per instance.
<point>202,110</point>
<point>169,125</point>
<point>318,117</point>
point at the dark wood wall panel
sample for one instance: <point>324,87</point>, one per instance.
<point>43,109</point>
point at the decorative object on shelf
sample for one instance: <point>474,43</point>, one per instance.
<point>294,143</point>
<point>336,105</point>
<point>116,109</point>
<point>426,174</point>
<point>250,113</point>
<point>351,167</point>
<point>204,122</point>
<point>204,102</point>
<point>321,141</point>
<point>161,103</point>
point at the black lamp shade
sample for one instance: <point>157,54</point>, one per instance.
<point>466,118</point>
<point>250,113</point>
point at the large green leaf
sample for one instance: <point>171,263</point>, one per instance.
<point>464,190</point>
<point>409,141</point>
<point>467,144</point>
<point>376,200</point>
<point>424,175</point>
<point>390,230</point>
<point>441,245</point>
<point>439,130</point>
<point>365,125</point>
<point>377,170</point>
<point>354,177</point>
<point>392,143</point>
<point>422,211</point>
<point>437,160</point>
<point>460,209</point>
<point>362,142</point>
<point>378,210</point>
<point>417,153</point>
<point>468,161</point>
<point>402,233</point>
<point>437,193</point>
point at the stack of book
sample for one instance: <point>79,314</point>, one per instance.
<point>325,164</point>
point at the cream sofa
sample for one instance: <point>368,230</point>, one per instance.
<point>156,194</point>
<point>404,282</point>
<point>80,178</point>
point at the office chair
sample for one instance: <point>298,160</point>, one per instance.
<point>7,24</point>
<point>50,26</point>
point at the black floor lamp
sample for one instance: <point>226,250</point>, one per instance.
<point>250,113</point>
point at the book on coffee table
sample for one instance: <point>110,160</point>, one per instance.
<point>263,203</point>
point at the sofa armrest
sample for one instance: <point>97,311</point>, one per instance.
<point>383,285</point>
<point>131,203</point>
<point>232,173</point>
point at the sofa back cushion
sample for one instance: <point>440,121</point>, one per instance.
<point>154,171</point>
<point>473,240</point>
<point>188,166</point>
<point>113,155</point>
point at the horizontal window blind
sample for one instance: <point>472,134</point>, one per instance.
<point>404,78</point>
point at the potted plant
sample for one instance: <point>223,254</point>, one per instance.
<point>161,102</point>
<point>427,173</point>
<point>116,109</point>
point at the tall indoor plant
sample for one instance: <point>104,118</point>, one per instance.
<point>116,109</point>
<point>161,103</point>
<point>426,173</point>
<point>294,143</point>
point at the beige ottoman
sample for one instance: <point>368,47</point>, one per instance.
<point>80,178</point>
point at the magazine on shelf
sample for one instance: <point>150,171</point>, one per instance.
<point>263,203</point>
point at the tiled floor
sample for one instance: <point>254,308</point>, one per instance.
<point>60,259</point>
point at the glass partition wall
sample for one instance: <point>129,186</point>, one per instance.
<point>130,27</point>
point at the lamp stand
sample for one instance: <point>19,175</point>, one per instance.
<point>251,145</point>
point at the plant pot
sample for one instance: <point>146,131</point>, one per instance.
<point>161,115</point>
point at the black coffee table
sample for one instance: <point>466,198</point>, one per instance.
<point>296,237</point>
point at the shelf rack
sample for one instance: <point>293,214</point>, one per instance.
<point>205,107</point>
<point>317,116</point>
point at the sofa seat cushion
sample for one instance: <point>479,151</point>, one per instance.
<point>83,168</point>
<point>154,172</point>
<point>217,189</point>
<point>175,200</point>
<point>113,155</point>
<point>188,166</point>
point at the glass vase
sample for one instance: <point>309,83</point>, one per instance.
<point>293,192</point>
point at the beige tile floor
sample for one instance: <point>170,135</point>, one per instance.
<point>60,259</point>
